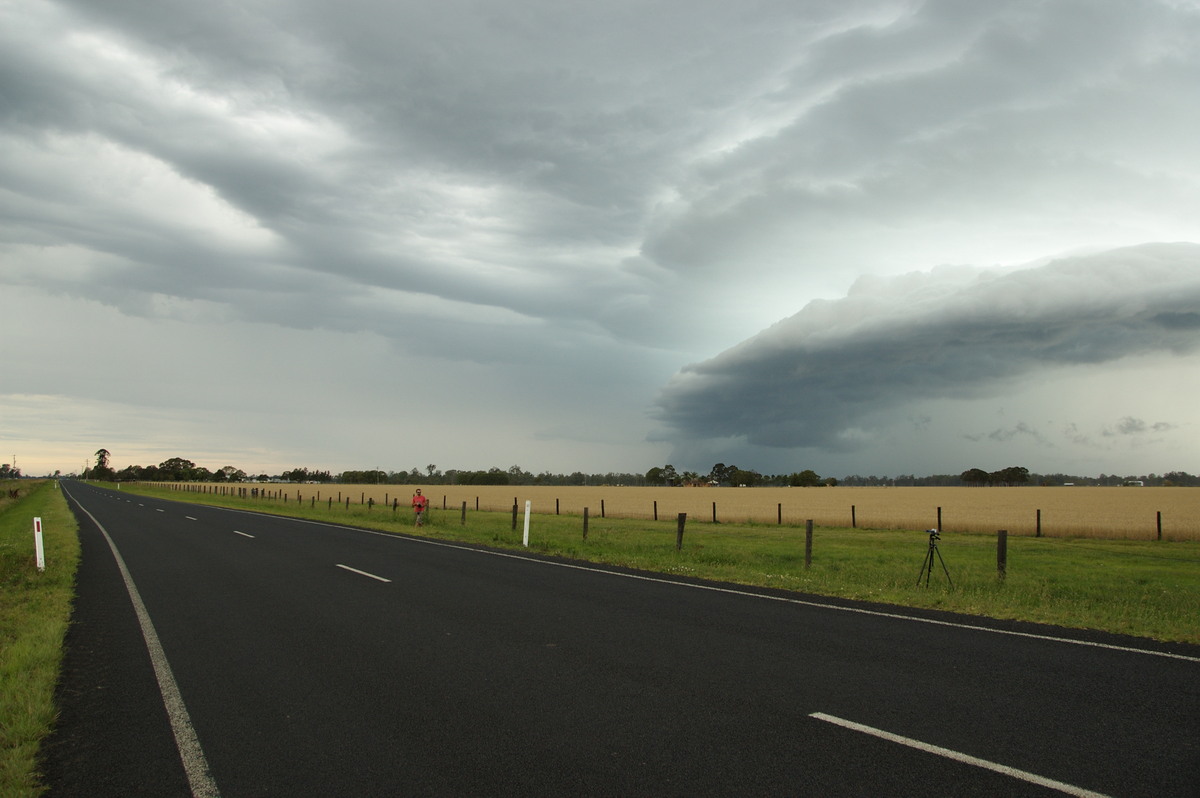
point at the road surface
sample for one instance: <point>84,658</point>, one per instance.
<point>216,652</point>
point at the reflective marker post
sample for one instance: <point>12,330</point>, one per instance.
<point>37,544</point>
<point>527,505</point>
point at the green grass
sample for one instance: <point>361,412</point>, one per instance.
<point>35,609</point>
<point>1141,588</point>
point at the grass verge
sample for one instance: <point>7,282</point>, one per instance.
<point>1141,588</point>
<point>35,608</point>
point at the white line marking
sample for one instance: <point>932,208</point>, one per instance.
<point>803,602</point>
<point>363,573</point>
<point>160,510</point>
<point>243,534</point>
<point>190,518</point>
<point>195,765</point>
<point>1023,775</point>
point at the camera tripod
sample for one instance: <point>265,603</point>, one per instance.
<point>927,566</point>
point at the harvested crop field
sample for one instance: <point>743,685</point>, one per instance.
<point>1119,513</point>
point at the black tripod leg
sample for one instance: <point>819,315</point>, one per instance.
<point>943,562</point>
<point>926,568</point>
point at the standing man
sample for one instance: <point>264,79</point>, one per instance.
<point>420,505</point>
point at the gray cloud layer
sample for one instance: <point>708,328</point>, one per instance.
<point>569,165</point>
<point>812,379</point>
<point>572,200</point>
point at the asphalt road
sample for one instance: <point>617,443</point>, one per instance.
<point>300,672</point>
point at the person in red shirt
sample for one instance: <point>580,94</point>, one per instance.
<point>420,505</point>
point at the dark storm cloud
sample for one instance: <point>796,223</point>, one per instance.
<point>813,379</point>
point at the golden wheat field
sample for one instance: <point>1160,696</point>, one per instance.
<point>1131,512</point>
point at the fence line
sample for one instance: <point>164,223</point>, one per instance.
<point>887,508</point>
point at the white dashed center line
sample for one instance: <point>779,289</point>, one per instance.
<point>363,573</point>
<point>1023,775</point>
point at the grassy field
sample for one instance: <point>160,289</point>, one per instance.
<point>1117,513</point>
<point>34,612</point>
<point>1139,587</point>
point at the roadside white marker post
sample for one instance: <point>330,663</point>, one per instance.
<point>37,544</point>
<point>527,505</point>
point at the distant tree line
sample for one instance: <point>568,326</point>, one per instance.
<point>734,476</point>
<point>1013,475</point>
<point>178,469</point>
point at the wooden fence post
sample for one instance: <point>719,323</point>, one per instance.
<point>463,522</point>
<point>1002,553</point>
<point>808,526</point>
<point>679,532</point>
<point>939,523</point>
<point>585,522</point>
<point>1159,514</point>
<point>853,518</point>
<point>514,515</point>
<point>1038,534</point>
<point>714,512</point>
<point>779,511</point>
<point>656,509</point>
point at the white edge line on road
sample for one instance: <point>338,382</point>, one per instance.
<point>1023,775</point>
<point>190,518</point>
<point>195,765</point>
<point>363,573</point>
<point>243,534</point>
<point>804,602</point>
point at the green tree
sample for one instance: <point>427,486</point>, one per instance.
<point>177,469</point>
<point>975,476</point>
<point>804,479</point>
<point>741,476</point>
<point>131,473</point>
<point>102,470</point>
<point>230,474</point>
<point>1013,475</point>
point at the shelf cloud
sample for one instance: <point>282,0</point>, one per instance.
<point>817,377</point>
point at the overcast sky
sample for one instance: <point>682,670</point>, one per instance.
<point>857,236</point>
